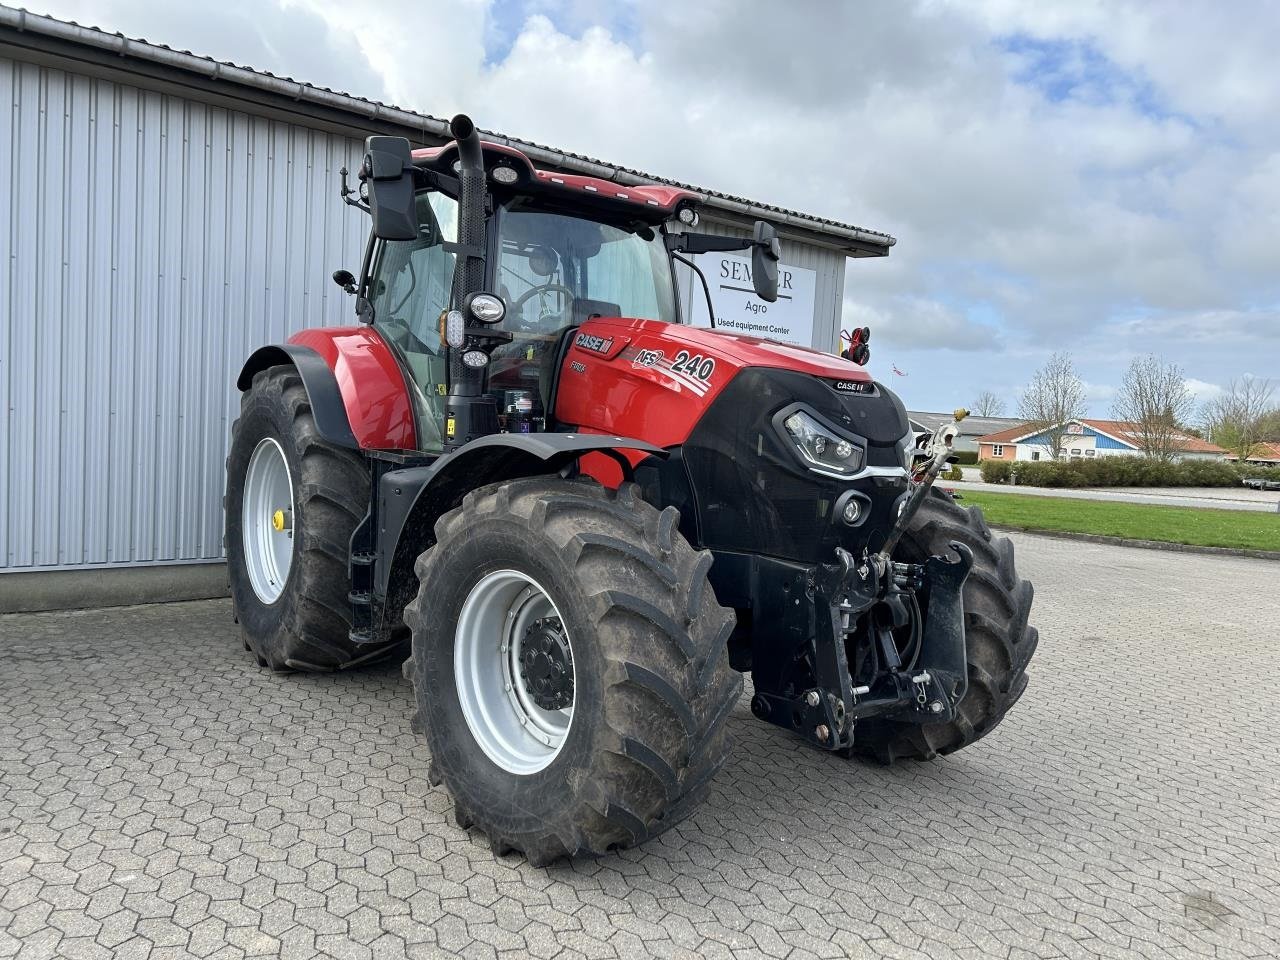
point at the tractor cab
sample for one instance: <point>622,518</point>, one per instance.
<point>555,250</point>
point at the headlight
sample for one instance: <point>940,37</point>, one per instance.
<point>504,174</point>
<point>486,308</point>
<point>821,448</point>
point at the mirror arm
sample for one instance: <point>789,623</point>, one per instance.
<point>706,289</point>
<point>346,193</point>
<point>695,243</point>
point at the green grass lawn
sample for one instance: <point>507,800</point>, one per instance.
<point>1137,521</point>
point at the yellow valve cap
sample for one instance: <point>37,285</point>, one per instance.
<point>277,520</point>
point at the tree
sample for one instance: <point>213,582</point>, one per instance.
<point>1270,429</point>
<point>1054,396</point>
<point>1154,400</point>
<point>988,404</point>
<point>1242,417</point>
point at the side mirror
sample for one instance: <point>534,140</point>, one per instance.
<point>766,251</point>
<point>345,280</point>
<point>388,172</point>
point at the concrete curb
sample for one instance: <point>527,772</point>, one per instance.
<point>1143,544</point>
<point>30,591</point>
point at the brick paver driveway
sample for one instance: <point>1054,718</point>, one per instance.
<point>159,794</point>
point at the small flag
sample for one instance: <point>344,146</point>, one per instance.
<point>897,371</point>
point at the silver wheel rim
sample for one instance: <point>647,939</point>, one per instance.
<point>266,528</point>
<point>512,730</point>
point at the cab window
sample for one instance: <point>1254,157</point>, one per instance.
<point>557,271</point>
<point>410,287</point>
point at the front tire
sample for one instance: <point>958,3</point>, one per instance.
<point>608,588</point>
<point>292,503</point>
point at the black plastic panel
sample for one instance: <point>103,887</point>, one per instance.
<point>752,494</point>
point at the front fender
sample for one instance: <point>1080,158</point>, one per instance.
<point>410,500</point>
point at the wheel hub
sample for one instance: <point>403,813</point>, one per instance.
<point>546,665</point>
<point>267,520</point>
<point>518,703</point>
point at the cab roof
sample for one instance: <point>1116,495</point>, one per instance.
<point>650,202</point>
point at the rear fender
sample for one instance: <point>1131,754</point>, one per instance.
<point>358,392</point>
<point>412,499</point>
<point>327,408</point>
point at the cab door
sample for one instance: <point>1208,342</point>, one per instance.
<point>409,287</point>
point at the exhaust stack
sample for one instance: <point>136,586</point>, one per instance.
<point>469,414</point>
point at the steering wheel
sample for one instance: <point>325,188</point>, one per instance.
<point>544,288</point>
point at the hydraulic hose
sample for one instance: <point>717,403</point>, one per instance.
<point>940,451</point>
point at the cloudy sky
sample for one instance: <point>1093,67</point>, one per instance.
<point>1097,177</point>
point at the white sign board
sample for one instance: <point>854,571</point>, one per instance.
<point>739,310</point>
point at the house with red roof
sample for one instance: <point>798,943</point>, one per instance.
<point>1085,439</point>
<point>1263,454</point>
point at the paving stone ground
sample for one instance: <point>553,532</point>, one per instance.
<point>160,795</point>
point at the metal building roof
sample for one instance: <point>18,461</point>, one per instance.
<point>971,426</point>
<point>15,24</point>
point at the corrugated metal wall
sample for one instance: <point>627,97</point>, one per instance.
<point>149,243</point>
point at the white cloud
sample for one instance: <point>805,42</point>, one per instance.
<point>1203,391</point>
<point>1097,394</point>
<point>1136,211</point>
<point>919,324</point>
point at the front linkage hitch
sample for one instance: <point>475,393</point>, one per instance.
<point>865,601</point>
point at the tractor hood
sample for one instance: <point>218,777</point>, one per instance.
<point>654,380</point>
<point>741,350</point>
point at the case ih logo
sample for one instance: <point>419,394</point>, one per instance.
<point>851,386</point>
<point>593,343</point>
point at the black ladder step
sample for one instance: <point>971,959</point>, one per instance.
<point>364,559</point>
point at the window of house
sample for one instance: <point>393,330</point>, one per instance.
<point>997,450</point>
<point>1089,453</point>
<point>1035,454</point>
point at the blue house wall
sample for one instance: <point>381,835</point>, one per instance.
<point>1100,442</point>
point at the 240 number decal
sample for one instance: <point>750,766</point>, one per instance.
<point>696,366</point>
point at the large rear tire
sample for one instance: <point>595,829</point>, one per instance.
<point>604,588</point>
<point>291,504</point>
<point>999,641</point>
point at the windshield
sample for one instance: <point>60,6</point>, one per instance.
<point>556,270</point>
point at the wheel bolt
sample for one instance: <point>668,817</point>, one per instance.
<point>822,732</point>
<point>812,698</point>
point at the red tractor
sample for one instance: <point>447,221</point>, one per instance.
<point>590,518</point>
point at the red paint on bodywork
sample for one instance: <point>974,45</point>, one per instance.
<point>371,383</point>
<point>652,196</point>
<point>646,392</point>
<point>663,198</point>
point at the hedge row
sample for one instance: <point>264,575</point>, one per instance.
<point>1123,472</point>
<point>966,457</point>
